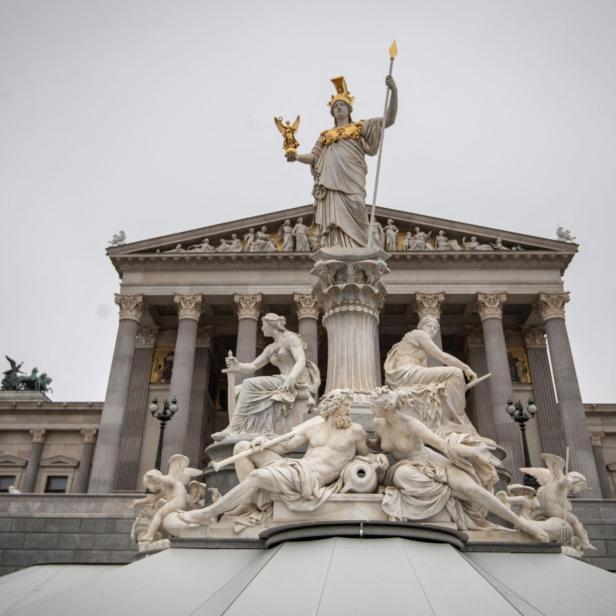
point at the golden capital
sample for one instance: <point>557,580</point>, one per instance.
<point>131,306</point>
<point>552,305</point>
<point>490,305</point>
<point>189,306</point>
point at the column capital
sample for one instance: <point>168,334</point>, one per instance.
<point>306,306</point>
<point>534,338</point>
<point>596,438</point>
<point>490,305</point>
<point>146,337</point>
<point>474,337</point>
<point>248,306</point>
<point>131,306</point>
<point>89,436</point>
<point>429,304</point>
<point>189,306</point>
<point>552,305</point>
<point>38,436</point>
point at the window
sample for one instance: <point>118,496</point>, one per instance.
<point>56,484</point>
<point>6,481</point>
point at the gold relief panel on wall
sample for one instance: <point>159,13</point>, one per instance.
<point>162,366</point>
<point>518,365</point>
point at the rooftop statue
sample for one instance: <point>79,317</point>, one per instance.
<point>273,404</point>
<point>232,245</point>
<point>204,246</point>
<point>339,168</point>
<point>564,235</point>
<point>300,233</point>
<point>118,239</point>
<point>17,380</point>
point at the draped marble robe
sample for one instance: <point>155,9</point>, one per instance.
<point>339,173</point>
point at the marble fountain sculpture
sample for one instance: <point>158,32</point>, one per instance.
<point>404,453</point>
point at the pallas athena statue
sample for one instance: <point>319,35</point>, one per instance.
<point>338,164</point>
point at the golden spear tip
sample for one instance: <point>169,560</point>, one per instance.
<point>393,50</point>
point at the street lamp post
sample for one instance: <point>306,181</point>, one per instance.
<point>168,411</point>
<point>521,415</point>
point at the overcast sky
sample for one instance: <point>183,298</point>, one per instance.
<point>156,117</point>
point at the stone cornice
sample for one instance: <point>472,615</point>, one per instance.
<point>469,260</point>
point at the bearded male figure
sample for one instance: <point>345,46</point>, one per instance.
<point>305,483</point>
<point>339,168</point>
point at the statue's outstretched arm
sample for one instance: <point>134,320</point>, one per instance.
<point>433,350</point>
<point>307,159</point>
<point>392,108</point>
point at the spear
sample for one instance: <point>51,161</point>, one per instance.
<point>393,52</point>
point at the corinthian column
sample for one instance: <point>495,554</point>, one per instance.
<point>351,295</point>
<point>552,309</point>
<point>135,416</point>
<point>112,418</point>
<point>308,321</point>
<point>248,310</point>
<point>479,397</point>
<point>429,305</point>
<point>29,480</point>
<point>189,313</point>
<point>80,485</point>
<point>551,430</point>
<point>490,308</point>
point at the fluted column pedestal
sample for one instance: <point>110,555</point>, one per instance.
<point>110,430</point>
<point>29,480</point>
<point>248,310</point>
<point>176,434</point>
<point>308,323</point>
<point>351,296</point>
<point>552,309</point>
<point>80,485</point>
<point>551,432</point>
<point>429,305</point>
<point>490,308</point>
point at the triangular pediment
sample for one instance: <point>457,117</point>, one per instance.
<point>458,236</point>
<point>8,460</point>
<point>63,461</point>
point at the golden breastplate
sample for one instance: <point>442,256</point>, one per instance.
<point>350,131</point>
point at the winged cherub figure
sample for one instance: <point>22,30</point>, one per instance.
<point>288,130</point>
<point>554,491</point>
<point>171,492</point>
